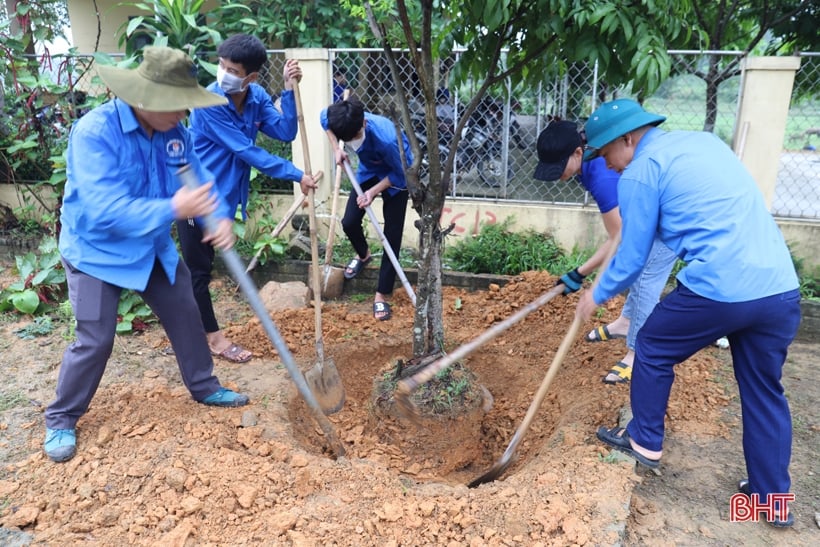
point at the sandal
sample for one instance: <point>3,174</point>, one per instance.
<point>622,371</point>
<point>382,308</point>
<point>234,353</point>
<point>355,266</point>
<point>602,334</point>
<point>618,438</point>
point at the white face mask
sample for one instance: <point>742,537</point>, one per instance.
<point>228,82</point>
<point>356,144</point>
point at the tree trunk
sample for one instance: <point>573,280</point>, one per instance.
<point>712,83</point>
<point>428,327</point>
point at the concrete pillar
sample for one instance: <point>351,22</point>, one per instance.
<point>761,123</point>
<point>315,90</point>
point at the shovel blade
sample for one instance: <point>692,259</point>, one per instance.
<point>333,280</point>
<point>495,471</point>
<point>326,384</point>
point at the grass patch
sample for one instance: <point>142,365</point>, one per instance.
<point>13,399</point>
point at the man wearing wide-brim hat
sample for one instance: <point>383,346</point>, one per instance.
<point>690,190</point>
<point>121,197</point>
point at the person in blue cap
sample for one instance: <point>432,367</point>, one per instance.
<point>560,156</point>
<point>688,189</point>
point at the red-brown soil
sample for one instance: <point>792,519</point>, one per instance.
<point>155,468</point>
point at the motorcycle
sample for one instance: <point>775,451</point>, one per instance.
<point>479,147</point>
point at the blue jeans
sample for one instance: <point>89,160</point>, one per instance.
<point>646,291</point>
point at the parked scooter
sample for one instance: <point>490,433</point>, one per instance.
<point>480,145</point>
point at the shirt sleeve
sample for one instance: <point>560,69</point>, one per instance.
<point>639,204</point>
<point>216,124</point>
<point>385,134</point>
<point>278,125</point>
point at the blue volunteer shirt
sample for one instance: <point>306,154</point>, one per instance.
<point>116,213</point>
<point>690,189</point>
<point>225,140</point>
<point>601,182</point>
<point>379,155</point>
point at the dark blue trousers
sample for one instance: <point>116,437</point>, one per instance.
<point>95,309</point>
<point>759,333</point>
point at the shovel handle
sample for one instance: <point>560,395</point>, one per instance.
<point>386,244</point>
<point>334,209</point>
<point>409,384</point>
<point>189,178</point>
<point>316,280</point>
<point>501,465</point>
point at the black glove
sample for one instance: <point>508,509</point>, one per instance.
<point>572,281</point>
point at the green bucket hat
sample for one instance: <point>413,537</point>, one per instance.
<point>614,119</point>
<point>165,81</point>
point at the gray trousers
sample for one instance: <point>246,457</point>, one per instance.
<point>95,309</point>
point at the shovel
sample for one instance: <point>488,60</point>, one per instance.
<point>188,178</point>
<point>323,378</point>
<point>406,387</point>
<point>506,459</point>
<point>333,278</point>
<point>386,244</point>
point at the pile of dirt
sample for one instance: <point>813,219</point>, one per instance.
<point>153,467</point>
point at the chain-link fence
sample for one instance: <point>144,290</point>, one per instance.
<point>496,156</point>
<point>797,194</point>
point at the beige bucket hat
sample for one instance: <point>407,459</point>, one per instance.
<point>165,81</point>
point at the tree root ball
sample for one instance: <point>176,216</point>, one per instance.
<point>450,407</point>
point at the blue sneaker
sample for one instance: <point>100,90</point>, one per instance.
<point>60,444</point>
<point>226,397</point>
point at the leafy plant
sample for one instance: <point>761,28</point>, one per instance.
<point>181,24</point>
<point>133,314</point>
<point>498,250</point>
<point>41,326</point>
<point>41,284</point>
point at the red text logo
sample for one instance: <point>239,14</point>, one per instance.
<point>743,508</point>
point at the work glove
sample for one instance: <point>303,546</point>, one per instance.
<point>572,281</point>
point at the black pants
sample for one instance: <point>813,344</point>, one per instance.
<point>394,209</point>
<point>199,257</point>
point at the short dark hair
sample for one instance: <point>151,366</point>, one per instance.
<point>248,51</point>
<point>345,118</point>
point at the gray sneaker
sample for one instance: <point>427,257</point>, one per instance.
<point>60,444</point>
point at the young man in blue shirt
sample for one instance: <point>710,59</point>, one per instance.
<point>225,140</point>
<point>121,196</point>
<point>560,154</point>
<point>690,190</point>
<point>381,172</point>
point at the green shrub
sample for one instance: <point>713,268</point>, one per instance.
<point>497,250</point>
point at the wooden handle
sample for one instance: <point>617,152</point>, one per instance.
<point>314,244</point>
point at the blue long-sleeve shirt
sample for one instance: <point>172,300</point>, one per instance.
<point>379,155</point>
<point>225,140</point>
<point>690,190</point>
<point>116,214</point>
